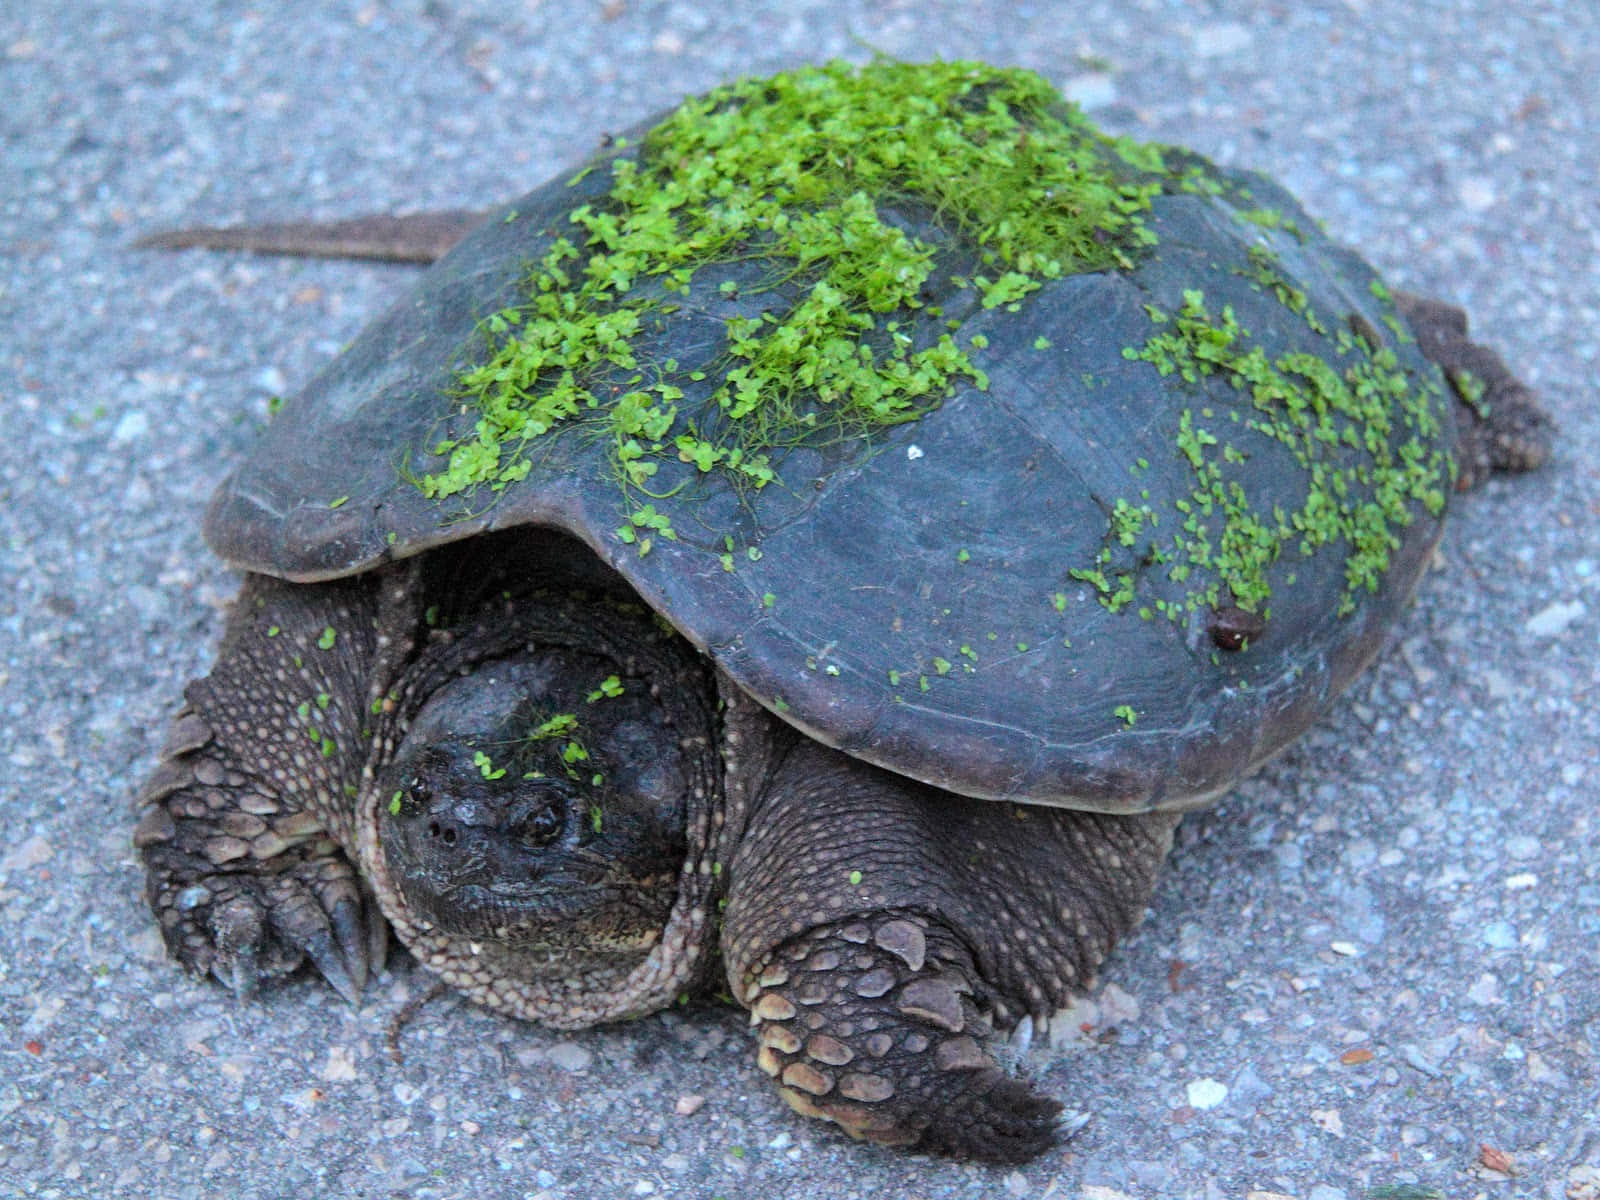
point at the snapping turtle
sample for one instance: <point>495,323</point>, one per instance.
<point>818,549</point>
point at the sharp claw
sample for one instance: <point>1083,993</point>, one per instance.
<point>237,930</point>
<point>237,972</point>
<point>377,939</point>
<point>331,963</point>
<point>348,929</point>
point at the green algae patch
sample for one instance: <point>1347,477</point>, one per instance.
<point>799,174</point>
<point>1365,436</point>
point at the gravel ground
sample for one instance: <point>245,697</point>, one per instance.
<point>1372,969</point>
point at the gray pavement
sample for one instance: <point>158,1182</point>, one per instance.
<point>1371,969</point>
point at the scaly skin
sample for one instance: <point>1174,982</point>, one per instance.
<point>894,925</point>
<point>881,932</point>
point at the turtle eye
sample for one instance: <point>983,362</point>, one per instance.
<point>540,827</point>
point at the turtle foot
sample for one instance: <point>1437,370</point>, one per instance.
<point>873,1024</point>
<point>243,892</point>
<point>1502,426</point>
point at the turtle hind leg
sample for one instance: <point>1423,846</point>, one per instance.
<point>1502,426</point>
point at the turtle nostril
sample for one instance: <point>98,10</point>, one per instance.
<point>442,833</point>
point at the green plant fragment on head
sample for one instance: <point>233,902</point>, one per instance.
<point>486,767</point>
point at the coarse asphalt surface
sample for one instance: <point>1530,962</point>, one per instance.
<point>1372,968</point>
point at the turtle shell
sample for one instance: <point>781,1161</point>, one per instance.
<point>1161,516</point>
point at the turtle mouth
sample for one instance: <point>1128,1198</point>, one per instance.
<point>560,925</point>
<point>524,871</point>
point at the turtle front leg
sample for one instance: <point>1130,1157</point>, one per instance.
<point>240,835</point>
<point>884,934</point>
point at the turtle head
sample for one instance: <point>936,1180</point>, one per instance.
<point>534,811</point>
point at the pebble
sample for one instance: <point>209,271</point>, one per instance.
<point>1554,619</point>
<point>569,1056</point>
<point>30,852</point>
<point>1205,1093</point>
<point>340,1065</point>
<point>1522,847</point>
<point>1226,37</point>
<point>1096,90</point>
<point>131,426</point>
<point>1500,934</point>
<point>1583,1183</point>
<point>1476,194</point>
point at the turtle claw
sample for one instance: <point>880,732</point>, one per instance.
<point>998,1119</point>
<point>332,968</point>
<point>237,929</point>
<point>244,928</point>
<point>349,931</point>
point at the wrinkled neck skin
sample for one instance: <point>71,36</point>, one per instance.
<point>544,798</point>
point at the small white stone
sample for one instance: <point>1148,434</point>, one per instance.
<point>1095,90</point>
<point>1521,881</point>
<point>1523,848</point>
<point>132,425</point>
<point>1118,1007</point>
<point>1554,618</point>
<point>687,1106</point>
<point>1476,194</point>
<point>341,1064</point>
<point>1500,935</point>
<point>271,380</point>
<point>569,1056</point>
<point>31,853</point>
<point>1205,1093</point>
<point>1226,37</point>
<point>1344,949</point>
<point>913,452</point>
<point>1485,991</point>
